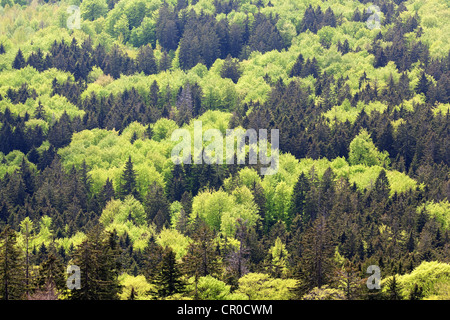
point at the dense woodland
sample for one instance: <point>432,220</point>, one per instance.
<point>86,176</point>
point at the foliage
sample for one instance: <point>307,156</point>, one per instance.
<point>259,286</point>
<point>134,288</point>
<point>87,178</point>
<point>431,277</point>
<point>209,288</point>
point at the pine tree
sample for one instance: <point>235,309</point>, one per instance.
<point>156,202</point>
<point>301,188</point>
<point>165,63</point>
<point>153,255</point>
<point>381,189</point>
<point>154,95</point>
<point>128,185</point>
<point>26,228</point>
<point>230,69</point>
<point>348,280</point>
<point>19,61</point>
<point>11,273</point>
<point>169,279</point>
<point>39,113</point>
<point>394,288</point>
<point>52,271</point>
<point>318,253</point>
<point>238,259</point>
<point>146,61</point>
<point>296,70</point>
<point>97,259</point>
<point>201,258</point>
<point>423,84</point>
<point>182,222</point>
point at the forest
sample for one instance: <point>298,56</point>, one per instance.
<point>91,92</point>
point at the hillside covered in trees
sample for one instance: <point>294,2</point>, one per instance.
<point>91,92</point>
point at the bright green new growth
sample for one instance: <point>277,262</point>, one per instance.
<point>363,151</point>
<point>432,277</point>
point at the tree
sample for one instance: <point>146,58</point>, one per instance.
<point>157,205</point>
<point>423,84</point>
<point>261,286</point>
<point>97,259</point>
<point>165,63</point>
<point>230,69</point>
<point>169,279</point>
<point>238,259</point>
<point>301,189</point>
<point>201,258</point>
<point>381,188</point>
<point>106,193</point>
<point>26,228</point>
<point>210,288</point>
<point>39,113</point>
<point>394,288</point>
<point>363,151</point>
<point>93,9</point>
<point>153,255</point>
<point>296,70</point>
<point>11,272</point>
<point>19,60</point>
<point>278,257</point>
<point>128,185</point>
<point>167,32</point>
<point>146,61</point>
<point>318,253</point>
<point>52,274</point>
<point>347,279</point>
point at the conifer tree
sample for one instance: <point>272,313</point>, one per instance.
<point>169,279</point>
<point>156,202</point>
<point>230,69</point>
<point>318,253</point>
<point>423,84</point>
<point>394,288</point>
<point>19,61</point>
<point>146,60</point>
<point>52,272</point>
<point>296,70</point>
<point>201,258</point>
<point>11,272</point>
<point>128,185</point>
<point>301,188</point>
<point>39,113</point>
<point>97,259</point>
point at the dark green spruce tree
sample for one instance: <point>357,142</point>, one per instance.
<point>169,279</point>
<point>12,276</point>
<point>128,185</point>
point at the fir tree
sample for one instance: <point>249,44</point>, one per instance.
<point>318,253</point>
<point>230,69</point>
<point>146,60</point>
<point>11,272</point>
<point>19,61</point>
<point>128,185</point>
<point>394,288</point>
<point>97,259</point>
<point>169,279</point>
